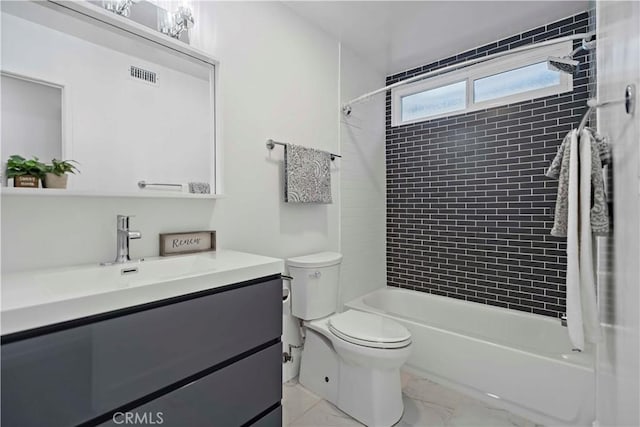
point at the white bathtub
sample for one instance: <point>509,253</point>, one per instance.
<point>519,361</point>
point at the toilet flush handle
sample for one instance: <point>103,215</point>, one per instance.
<point>315,275</point>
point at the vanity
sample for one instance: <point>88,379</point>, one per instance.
<point>191,340</point>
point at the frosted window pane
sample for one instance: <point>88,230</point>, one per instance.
<point>434,102</point>
<point>531,77</point>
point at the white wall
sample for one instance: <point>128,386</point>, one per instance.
<point>363,183</point>
<point>618,356</point>
<point>278,79</point>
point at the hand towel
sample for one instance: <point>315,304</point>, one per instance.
<point>559,170</point>
<point>599,156</point>
<point>602,147</point>
<point>307,175</point>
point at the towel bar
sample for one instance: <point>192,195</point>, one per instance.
<point>271,143</point>
<point>144,184</point>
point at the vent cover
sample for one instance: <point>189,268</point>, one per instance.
<point>144,75</point>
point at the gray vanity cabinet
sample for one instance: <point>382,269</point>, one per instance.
<point>227,397</point>
<point>205,359</point>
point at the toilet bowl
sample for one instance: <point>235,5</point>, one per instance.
<point>366,339</point>
<point>352,359</point>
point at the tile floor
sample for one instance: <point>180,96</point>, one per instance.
<point>426,404</point>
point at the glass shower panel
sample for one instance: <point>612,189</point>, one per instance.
<point>524,79</point>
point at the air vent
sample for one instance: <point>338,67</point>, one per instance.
<point>144,75</point>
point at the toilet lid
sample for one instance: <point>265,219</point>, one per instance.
<point>369,330</point>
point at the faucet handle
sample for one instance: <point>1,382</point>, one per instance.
<point>123,221</point>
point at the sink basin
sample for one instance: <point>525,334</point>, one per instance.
<point>43,297</point>
<point>59,284</point>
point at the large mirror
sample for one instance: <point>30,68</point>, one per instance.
<point>126,108</point>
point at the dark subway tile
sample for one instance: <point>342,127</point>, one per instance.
<point>467,201</point>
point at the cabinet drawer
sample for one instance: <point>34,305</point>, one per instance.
<point>77,374</point>
<point>272,419</point>
<point>228,397</point>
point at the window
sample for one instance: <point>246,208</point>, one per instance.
<point>513,78</point>
<point>431,102</point>
<point>523,79</point>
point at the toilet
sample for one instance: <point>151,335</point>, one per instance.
<point>352,359</point>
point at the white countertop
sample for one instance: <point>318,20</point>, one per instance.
<point>38,298</point>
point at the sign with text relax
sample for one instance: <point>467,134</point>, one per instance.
<point>187,242</point>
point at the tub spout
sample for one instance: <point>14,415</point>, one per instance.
<point>563,320</point>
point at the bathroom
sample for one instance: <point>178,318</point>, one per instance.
<point>436,228</point>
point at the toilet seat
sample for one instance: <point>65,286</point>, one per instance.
<point>369,330</point>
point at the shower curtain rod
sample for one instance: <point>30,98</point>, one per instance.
<point>346,108</point>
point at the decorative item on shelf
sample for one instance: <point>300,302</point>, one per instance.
<point>179,21</point>
<point>119,7</point>
<point>56,173</point>
<point>187,242</point>
<point>146,12</point>
<point>25,173</point>
<point>199,188</point>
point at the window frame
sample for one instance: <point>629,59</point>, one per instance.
<point>482,70</point>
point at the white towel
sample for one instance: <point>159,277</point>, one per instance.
<point>587,264</point>
<point>582,311</point>
<point>574,305</point>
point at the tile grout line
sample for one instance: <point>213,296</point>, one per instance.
<point>318,400</point>
<point>303,414</point>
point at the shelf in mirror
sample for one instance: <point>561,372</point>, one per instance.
<point>51,192</point>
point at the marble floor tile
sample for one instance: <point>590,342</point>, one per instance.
<point>417,413</point>
<point>429,392</point>
<point>479,415</point>
<point>296,400</point>
<point>324,414</point>
<point>426,404</point>
<point>405,378</point>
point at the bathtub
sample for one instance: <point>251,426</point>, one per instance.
<point>518,361</point>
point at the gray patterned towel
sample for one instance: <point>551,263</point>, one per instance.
<point>559,169</point>
<point>307,175</point>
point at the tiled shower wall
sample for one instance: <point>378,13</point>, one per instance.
<point>469,209</point>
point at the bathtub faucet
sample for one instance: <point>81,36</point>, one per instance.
<point>563,320</point>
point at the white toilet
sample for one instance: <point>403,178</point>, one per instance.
<point>351,359</point>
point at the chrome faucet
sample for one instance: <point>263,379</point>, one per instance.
<point>124,236</point>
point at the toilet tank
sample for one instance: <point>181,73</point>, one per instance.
<point>314,288</point>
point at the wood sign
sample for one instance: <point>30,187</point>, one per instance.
<point>187,243</point>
